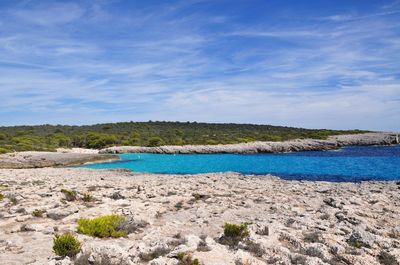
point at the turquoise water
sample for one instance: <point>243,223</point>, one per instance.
<point>346,164</point>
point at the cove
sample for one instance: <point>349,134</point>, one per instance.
<point>352,164</point>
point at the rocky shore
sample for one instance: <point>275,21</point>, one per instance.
<point>52,159</point>
<point>289,222</point>
<point>333,142</point>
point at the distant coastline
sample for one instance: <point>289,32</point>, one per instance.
<point>333,142</point>
<point>79,156</point>
<point>150,134</point>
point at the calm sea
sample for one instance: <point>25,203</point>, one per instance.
<point>347,164</point>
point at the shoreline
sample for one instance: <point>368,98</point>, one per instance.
<point>33,159</point>
<point>316,222</point>
<point>332,143</point>
<point>79,156</point>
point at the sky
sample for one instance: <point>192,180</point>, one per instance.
<point>313,64</point>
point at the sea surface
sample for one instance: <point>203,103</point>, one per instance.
<point>353,163</point>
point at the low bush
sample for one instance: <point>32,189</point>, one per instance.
<point>355,244</point>
<point>1,196</point>
<point>87,197</point>
<point>198,196</point>
<point>69,194</point>
<point>103,226</point>
<point>234,230</point>
<point>234,233</point>
<point>155,141</point>
<point>4,150</point>
<point>186,259</point>
<point>66,245</point>
<point>37,213</point>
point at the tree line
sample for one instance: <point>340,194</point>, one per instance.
<point>50,137</point>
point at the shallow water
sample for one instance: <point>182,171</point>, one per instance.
<point>347,164</point>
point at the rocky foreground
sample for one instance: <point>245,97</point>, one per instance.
<point>291,222</point>
<point>333,142</point>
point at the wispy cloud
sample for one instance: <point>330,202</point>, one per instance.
<point>98,61</point>
<point>349,17</point>
<point>274,34</point>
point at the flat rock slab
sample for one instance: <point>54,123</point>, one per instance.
<point>50,159</point>
<point>290,222</point>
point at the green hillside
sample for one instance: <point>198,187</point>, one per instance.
<point>50,137</point>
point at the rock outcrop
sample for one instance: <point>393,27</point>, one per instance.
<point>50,159</point>
<point>332,142</point>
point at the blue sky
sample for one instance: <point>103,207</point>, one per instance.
<point>316,64</point>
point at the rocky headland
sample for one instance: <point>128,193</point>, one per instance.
<point>172,216</point>
<point>333,142</point>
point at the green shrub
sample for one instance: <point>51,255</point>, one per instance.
<point>234,230</point>
<point>355,244</point>
<point>37,213</point>
<point>186,259</point>
<point>87,197</point>
<point>198,196</point>
<point>272,138</point>
<point>69,194</point>
<point>211,142</point>
<point>234,233</point>
<point>100,140</point>
<point>103,226</point>
<point>66,245</point>
<point>60,140</point>
<point>155,141</point>
<point>1,196</point>
<point>4,150</point>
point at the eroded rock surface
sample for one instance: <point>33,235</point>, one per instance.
<point>290,222</point>
<point>50,159</point>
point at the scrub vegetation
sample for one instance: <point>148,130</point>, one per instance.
<point>234,233</point>
<point>103,226</point>
<point>66,245</point>
<point>50,137</point>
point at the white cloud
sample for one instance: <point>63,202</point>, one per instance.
<point>161,66</point>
